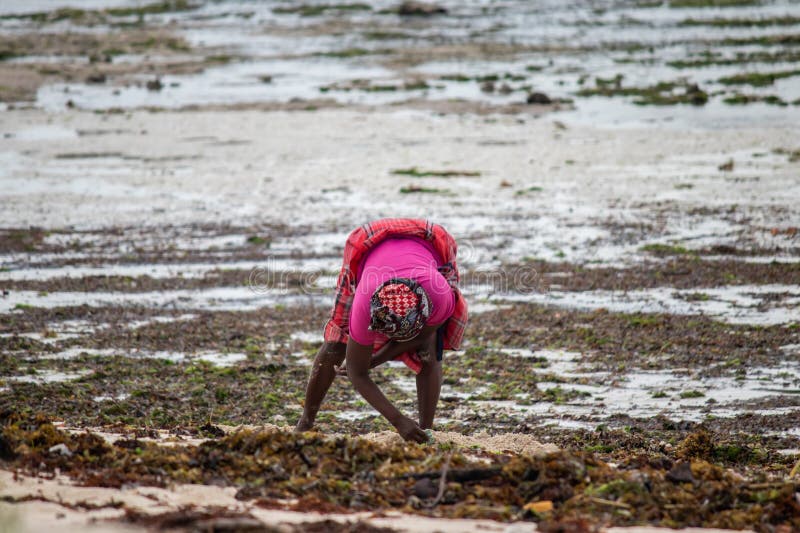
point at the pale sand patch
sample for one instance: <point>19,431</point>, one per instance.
<point>56,508</point>
<point>518,443</point>
<point>504,442</point>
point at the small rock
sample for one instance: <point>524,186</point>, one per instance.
<point>265,78</point>
<point>420,9</point>
<point>539,98</point>
<point>505,89</point>
<point>60,449</point>
<point>5,292</point>
<point>681,473</point>
<point>727,166</point>
<point>425,488</point>
<point>97,77</point>
<point>154,85</point>
<point>697,96</point>
<point>211,429</point>
<point>488,87</point>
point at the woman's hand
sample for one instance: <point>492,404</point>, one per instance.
<point>410,430</point>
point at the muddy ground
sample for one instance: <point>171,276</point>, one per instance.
<point>168,374</point>
<point>177,180</point>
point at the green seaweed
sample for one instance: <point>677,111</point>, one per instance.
<point>313,10</point>
<point>665,249</point>
<point>743,99</point>
<point>740,22</point>
<point>758,79</point>
<point>712,3</point>
<point>415,189</point>
<point>417,173</point>
<point>660,94</point>
<point>741,58</point>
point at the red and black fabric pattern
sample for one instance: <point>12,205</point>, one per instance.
<point>399,309</point>
<point>358,245</point>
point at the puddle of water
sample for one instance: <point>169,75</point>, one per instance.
<point>275,265</point>
<point>639,394</point>
<point>352,415</point>
<point>50,338</point>
<point>215,358</point>
<point>47,376</point>
<point>741,304</point>
<point>310,337</point>
<point>218,299</point>
<point>135,324</point>
<point>566,43</point>
<point>116,398</point>
<point>45,133</point>
<point>302,358</point>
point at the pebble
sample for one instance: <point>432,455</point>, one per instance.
<point>60,449</point>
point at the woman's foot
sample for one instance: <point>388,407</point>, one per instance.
<point>303,424</point>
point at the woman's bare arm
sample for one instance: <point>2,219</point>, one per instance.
<point>392,349</point>
<point>358,358</point>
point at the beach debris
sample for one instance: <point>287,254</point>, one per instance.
<point>277,468</point>
<point>539,507</point>
<point>411,8</point>
<point>726,166</point>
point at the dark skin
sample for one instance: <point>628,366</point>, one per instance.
<point>360,359</point>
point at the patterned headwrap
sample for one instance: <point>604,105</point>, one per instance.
<point>399,308</point>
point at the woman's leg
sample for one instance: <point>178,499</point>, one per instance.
<point>330,355</point>
<point>429,384</point>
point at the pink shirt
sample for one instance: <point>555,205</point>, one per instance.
<point>399,257</point>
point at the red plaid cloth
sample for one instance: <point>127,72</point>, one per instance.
<point>360,242</point>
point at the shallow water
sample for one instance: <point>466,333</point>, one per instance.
<point>739,304</point>
<point>218,299</point>
<point>675,394</point>
<point>566,44</point>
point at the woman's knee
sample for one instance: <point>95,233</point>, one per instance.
<point>332,353</point>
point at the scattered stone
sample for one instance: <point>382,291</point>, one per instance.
<point>727,166</point>
<point>96,78</point>
<point>681,473</point>
<point>505,89</point>
<point>696,95</point>
<point>420,9</point>
<point>488,87</point>
<point>425,488</point>
<point>154,85</point>
<point>539,98</point>
<point>60,449</point>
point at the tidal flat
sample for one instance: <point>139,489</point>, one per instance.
<point>177,180</point>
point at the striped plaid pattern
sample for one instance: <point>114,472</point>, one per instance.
<point>360,242</point>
